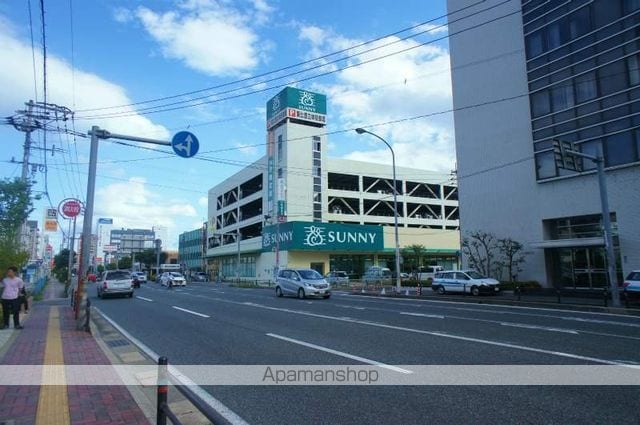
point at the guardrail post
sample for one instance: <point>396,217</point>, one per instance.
<point>518,291</point>
<point>73,296</point>
<point>87,327</point>
<point>605,295</point>
<point>163,391</point>
<point>558,295</point>
<point>419,289</point>
<point>626,298</point>
<point>464,290</point>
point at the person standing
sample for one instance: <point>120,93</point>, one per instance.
<point>11,297</point>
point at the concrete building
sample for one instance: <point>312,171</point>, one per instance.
<point>191,250</point>
<point>30,239</point>
<point>130,241</point>
<point>295,207</point>
<point>105,225</point>
<point>525,73</point>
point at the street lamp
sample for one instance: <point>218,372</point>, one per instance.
<point>395,203</point>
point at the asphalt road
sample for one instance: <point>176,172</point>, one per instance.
<point>213,325</point>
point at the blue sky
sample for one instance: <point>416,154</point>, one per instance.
<point>133,51</point>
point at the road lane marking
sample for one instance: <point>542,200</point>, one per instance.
<point>350,306</point>
<point>232,417</point>
<point>341,353</point>
<point>190,311</point>
<point>434,316</point>
<point>143,298</point>
<point>542,328</point>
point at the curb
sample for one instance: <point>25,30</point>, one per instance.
<point>510,303</point>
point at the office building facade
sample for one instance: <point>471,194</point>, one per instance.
<point>191,249</point>
<point>526,73</point>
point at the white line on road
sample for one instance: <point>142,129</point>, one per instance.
<point>341,354</point>
<point>143,298</point>
<point>434,316</point>
<point>190,311</point>
<point>543,328</point>
<point>350,306</point>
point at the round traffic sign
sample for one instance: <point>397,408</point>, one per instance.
<point>185,144</point>
<point>70,208</point>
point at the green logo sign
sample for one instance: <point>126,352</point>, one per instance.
<point>307,236</point>
<point>314,106</point>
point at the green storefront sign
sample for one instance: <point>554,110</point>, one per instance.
<point>307,236</point>
<point>303,100</point>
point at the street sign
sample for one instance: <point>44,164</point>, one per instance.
<point>185,144</point>
<point>70,208</point>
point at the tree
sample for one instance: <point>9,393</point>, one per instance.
<point>480,248</point>
<point>112,266</point>
<point>61,259</point>
<point>100,268</point>
<point>512,256</point>
<point>15,207</point>
<point>124,263</point>
<point>148,257</point>
<point>414,253</point>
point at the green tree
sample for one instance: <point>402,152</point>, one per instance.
<point>100,268</point>
<point>414,254</point>
<point>61,259</point>
<point>15,207</point>
<point>112,266</point>
<point>148,258</point>
<point>124,263</point>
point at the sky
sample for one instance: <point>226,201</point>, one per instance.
<point>215,64</point>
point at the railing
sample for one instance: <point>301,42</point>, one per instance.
<point>163,411</point>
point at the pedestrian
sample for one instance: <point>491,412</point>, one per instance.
<point>10,297</point>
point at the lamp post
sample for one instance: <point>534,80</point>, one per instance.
<point>395,204</point>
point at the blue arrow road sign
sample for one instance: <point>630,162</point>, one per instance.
<point>185,144</point>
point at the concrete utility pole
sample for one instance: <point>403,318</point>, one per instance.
<point>27,143</point>
<point>238,237</point>
<point>72,244</point>
<point>565,157</point>
<point>158,248</point>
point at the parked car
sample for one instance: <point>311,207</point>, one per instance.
<point>337,278</point>
<point>467,281</point>
<point>302,283</point>
<point>403,276</point>
<point>200,277</point>
<point>173,279</point>
<point>115,282</point>
<point>427,272</point>
<point>140,276</point>
<point>632,283</point>
<point>377,275</point>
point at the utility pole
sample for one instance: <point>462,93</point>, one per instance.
<point>158,247</point>
<point>238,255</point>
<point>72,244</point>
<point>27,142</point>
<point>566,156</point>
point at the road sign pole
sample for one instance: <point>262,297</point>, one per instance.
<point>72,245</point>
<point>608,238</point>
<point>238,258</point>
<point>86,225</point>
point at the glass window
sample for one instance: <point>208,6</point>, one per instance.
<point>280,148</point>
<point>534,44</point>
<point>579,22</point>
<point>589,148</point>
<point>633,66</point>
<point>636,136</point>
<point>630,5</point>
<point>554,38</point>
<point>586,87</point>
<point>545,165</point>
<point>619,149</point>
<point>609,78</point>
<point>562,97</point>
<point>540,103</point>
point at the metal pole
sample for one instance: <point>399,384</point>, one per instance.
<point>158,247</point>
<point>162,391</point>
<point>238,255</point>
<point>88,218</point>
<point>608,238</point>
<point>72,244</point>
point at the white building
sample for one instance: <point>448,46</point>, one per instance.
<point>105,225</point>
<point>527,72</point>
<point>347,205</point>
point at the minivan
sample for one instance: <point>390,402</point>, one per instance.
<point>427,272</point>
<point>464,281</point>
<point>302,283</point>
<point>377,275</point>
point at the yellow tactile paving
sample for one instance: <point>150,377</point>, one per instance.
<point>53,404</point>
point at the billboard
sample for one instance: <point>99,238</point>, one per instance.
<point>308,236</point>
<point>105,221</point>
<point>299,104</point>
<point>51,220</point>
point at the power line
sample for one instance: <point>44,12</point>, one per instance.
<point>163,108</point>
<point>285,68</point>
<point>33,53</point>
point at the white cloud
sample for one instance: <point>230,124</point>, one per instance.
<point>203,201</point>
<point>409,84</point>
<point>208,36</point>
<point>247,149</point>
<point>122,15</point>
<point>92,91</point>
<point>135,206</point>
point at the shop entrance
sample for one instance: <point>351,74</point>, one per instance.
<point>582,267</point>
<point>319,267</point>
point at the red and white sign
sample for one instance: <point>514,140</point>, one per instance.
<point>70,208</point>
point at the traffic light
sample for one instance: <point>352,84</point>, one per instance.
<point>564,157</point>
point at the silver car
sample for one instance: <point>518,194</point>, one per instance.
<point>337,278</point>
<point>115,282</point>
<point>302,283</point>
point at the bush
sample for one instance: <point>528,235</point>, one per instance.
<point>528,284</point>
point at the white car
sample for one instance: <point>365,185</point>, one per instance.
<point>173,278</point>
<point>632,283</point>
<point>115,282</point>
<point>464,281</point>
<point>141,276</point>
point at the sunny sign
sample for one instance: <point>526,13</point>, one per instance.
<point>308,236</point>
<point>302,105</point>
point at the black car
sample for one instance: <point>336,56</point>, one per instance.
<point>200,277</point>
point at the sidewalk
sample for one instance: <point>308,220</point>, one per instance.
<point>49,337</point>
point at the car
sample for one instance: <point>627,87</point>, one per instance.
<point>377,275</point>
<point>427,272</point>
<point>302,283</point>
<point>200,277</point>
<point>140,276</point>
<point>337,278</point>
<point>632,283</point>
<point>172,279</point>
<point>115,282</point>
<point>464,281</point>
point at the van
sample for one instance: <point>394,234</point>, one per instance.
<point>427,272</point>
<point>377,275</point>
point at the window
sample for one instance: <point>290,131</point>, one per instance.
<point>633,67</point>
<point>535,44</point>
<point>586,87</point>
<point>562,97</point>
<point>280,148</point>
<point>540,103</point>
<point>545,165</point>
<point>579,22</point>
<point>636,136</point>
<point>610,78</point>
<point>553,36</point>
<point>619,149</point>
<point>630,5</point>
<point>590,148</point>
